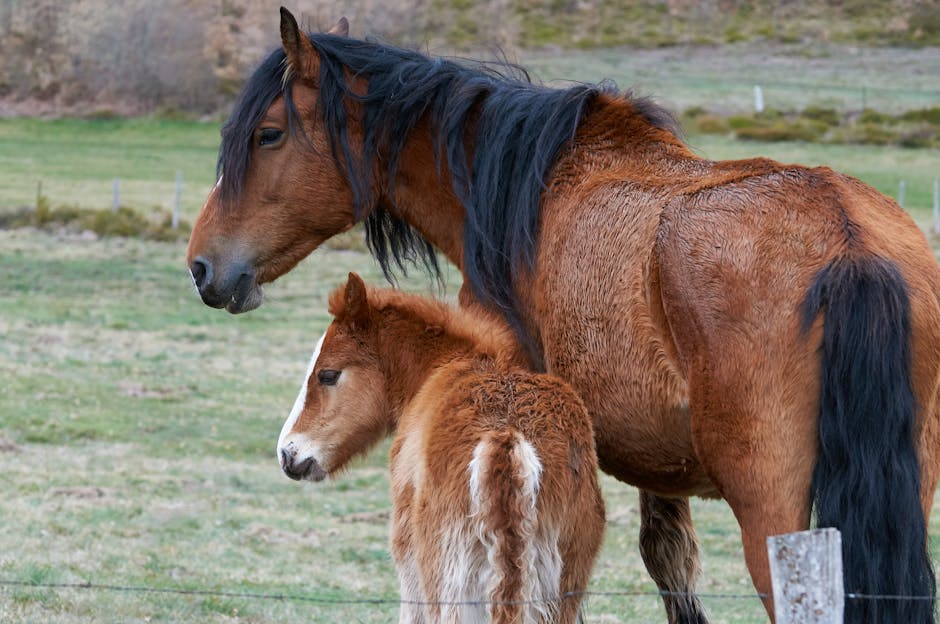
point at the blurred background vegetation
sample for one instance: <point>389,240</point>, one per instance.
<point>189,56</point>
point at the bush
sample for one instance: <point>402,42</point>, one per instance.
<point>827,116</point>
<point>738,122</point>
<point>928,115</point>
<point>711,124</point>
<point>868,133</point>
<point>784,131</point>
<point>923,135</point>
<point>124,222</point>
<point>870,116</point>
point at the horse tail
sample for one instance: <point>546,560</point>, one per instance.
<point>867,477</point>
<point>522,576</point>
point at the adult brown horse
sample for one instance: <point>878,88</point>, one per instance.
<point>762,332</point>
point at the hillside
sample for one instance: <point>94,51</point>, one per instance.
<point>189,56</point>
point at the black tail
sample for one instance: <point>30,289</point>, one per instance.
<point>867,480</point>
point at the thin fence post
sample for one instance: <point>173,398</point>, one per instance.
<point>39,194</point>
<point>117,196</point>
<point>806,574</point>
<point>936,206</point>
<point>176,200</point>
<point>901,186</point>
<point>758,99</point>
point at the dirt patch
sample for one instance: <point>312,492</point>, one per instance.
<point>272,535</point>
<point>9,446</point>
<point>137,390</point>
<point>82,492</point>
<point>371,517</point>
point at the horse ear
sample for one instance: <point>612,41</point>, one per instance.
<point>357,301</point>
<point>341,28</point>
<point>301,57</point>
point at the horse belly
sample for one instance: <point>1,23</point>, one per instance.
<point>592,313</point>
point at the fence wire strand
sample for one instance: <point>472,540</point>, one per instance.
<point>88,586</point>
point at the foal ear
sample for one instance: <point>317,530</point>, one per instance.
<point>301,57</point>
<point>357,301</point>
<point>341,28</point>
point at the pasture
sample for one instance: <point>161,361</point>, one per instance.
<point>138,427</point>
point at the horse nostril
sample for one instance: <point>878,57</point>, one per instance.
<point>201,270</point>
<point>286,458</point>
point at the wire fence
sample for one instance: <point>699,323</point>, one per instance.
<point>390,600</point>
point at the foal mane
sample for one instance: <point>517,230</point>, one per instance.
<point>489,335</point>
<point>512,130</point>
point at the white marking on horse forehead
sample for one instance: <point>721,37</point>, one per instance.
<point>301,400</point>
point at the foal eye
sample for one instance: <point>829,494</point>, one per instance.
<point>328,377</point>
<point>269,136</point>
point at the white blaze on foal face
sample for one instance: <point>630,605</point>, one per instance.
<point>298,455</point>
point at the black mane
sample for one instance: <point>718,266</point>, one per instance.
<point>519,128</point>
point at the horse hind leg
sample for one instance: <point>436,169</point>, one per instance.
<point>669,548</point>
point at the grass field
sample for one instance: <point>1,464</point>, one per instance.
<point>137,426</point>
<point>137,443</point>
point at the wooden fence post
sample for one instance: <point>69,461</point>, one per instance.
<point>806,573</point>
<point>936,206</point>
<point>175,220</point>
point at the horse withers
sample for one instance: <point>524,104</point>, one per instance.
<point>496,506</point>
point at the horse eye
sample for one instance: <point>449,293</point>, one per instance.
<point>269,136</point>
<point>328,377</point>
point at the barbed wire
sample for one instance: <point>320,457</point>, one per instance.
<point>398,601</point>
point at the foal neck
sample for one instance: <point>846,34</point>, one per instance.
<point>417,335</point>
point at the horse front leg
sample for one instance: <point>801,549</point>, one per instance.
<point>669,548</point>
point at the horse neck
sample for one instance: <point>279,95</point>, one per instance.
<point>424,197</point>
<point>615,135</point>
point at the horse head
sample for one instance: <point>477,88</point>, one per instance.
<point>273,203</point>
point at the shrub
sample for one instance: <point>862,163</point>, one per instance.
<point>738,122</point>
<point>871,116</point>
<point>923,135</point>
<point>869,133</point>
<point>784,131</point>
<point>711,124</point>
<point>928,115</point>
<point>827,116</point>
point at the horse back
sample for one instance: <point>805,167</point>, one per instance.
<point>737,257</point>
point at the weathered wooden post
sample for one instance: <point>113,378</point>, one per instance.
<point>175,220</point>
<point>806,573</point>
<point>116,203</point>
<point>936,206</point>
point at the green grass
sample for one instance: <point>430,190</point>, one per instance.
<point>138,429</point>
<point>136,444</point>
<point>76,162</point>
<point>137,426</point>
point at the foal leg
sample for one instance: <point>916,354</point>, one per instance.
<point>670,551</point>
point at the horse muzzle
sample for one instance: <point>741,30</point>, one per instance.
<point>299,468</point>
<point>234,287</point>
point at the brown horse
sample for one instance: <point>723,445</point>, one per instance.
<point>765,333</point>
<point>494,475</point>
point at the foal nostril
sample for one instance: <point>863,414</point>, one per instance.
<point>201,270</point>
<point>297,471</point>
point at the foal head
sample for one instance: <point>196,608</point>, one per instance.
<point>342,409</point>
